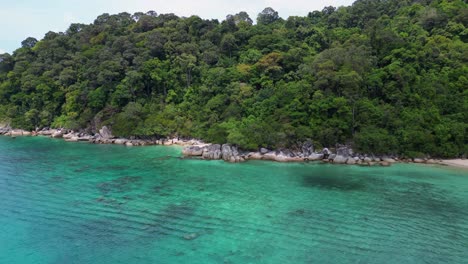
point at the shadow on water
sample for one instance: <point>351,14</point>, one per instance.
<point>424,199</point>
<point>333,182</point>
<point>178,211</point>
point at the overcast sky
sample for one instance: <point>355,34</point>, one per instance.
<point>20,19</point>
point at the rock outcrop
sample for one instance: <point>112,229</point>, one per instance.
<point>105,133</point>
<point>264,151</point>
<point>339,159</point>
<point>226,152</point>
<point>120,141</point>
<point>57,134</point>
<point>314,156</point>
<point>307,148</point>
<point>212,152</point>
<point>230,153</point>
<point>192,151</point>
<point>344,151</point>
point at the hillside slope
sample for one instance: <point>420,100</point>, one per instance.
<point>388,76</point>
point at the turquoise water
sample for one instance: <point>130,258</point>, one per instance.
<point>81,203</point>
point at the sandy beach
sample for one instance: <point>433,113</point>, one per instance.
<point>461,163</point>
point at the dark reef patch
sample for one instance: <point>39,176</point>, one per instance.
<point>122,184</point>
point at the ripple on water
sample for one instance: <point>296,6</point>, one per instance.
<point>111,204</point>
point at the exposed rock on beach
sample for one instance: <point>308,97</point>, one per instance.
<point>231,153</point>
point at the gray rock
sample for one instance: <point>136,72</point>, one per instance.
<point>192,151</point>
<point>57,134</point>
<point>85,138</point>
<point>344,151</point>
<point>340,159</point>
<point>212,152</point>
<point>389,160</point>
<point>69,135</point>
<point>307,148</point>
<point>120,141</point>
<point>270,155</point>
<point>230,153</point>
<point>4,130</point>
<point>72,139</point>
<point>254,156</point>
<point>315,156</point>
<point>264,151</point>
<point>288,153</point>
<point>326,151</point>
<point>331,156</point>
<point>105,133</point>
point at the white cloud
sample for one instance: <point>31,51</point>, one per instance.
<point>2,51</point>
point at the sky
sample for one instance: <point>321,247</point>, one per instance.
<point>20,19</point>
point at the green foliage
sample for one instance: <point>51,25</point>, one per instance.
<point>386,76</point>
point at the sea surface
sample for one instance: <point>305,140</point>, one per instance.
<point>81,203</point>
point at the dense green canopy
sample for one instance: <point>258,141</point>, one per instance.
<point>388,76</point>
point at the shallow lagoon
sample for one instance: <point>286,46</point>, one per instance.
<point>81,203</point>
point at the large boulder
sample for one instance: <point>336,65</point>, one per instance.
<point>57,134</point>
<point>4,130</point>
<point>254,156</point>
<point>46,132</point>
<point>282,156</point>
<point>264,151</point>
<point>389,160</point>
<point>212,152</point>
<point>271,155</point>
<point>326,151</point>
<point>314,156</point>
<point>339,159</point>
<point>69,135</point>
<point>72,139</point>
<point>192,151</point>
<point>85,138</point>
<point>344,151</point>
<point>231,154</point>
<point>105,133</point>
<point>307,148</point>
<point>120,141</point>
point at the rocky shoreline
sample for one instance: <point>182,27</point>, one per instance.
<point>104,136</point>
<point>227,152</point>
<point>342,155</point>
